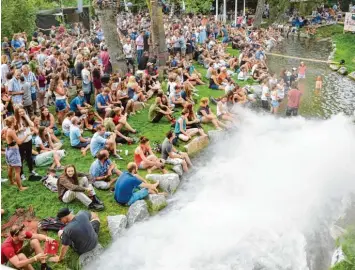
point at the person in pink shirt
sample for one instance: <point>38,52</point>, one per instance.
<point>294,97</point>
<point>105,59</point>
<point>302,71</point>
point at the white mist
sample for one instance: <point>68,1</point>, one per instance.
<point>250,205</point>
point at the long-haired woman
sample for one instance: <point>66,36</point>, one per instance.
<point>60,97</point>
<point>12,152</point>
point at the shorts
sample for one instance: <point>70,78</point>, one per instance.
<point>44,159</point>
<point>81,145</point>
<point>225,40</point>
<point>42,89</point>
<point>13,157</point>
<point>141,166</point>
<point>138,195</point>
<point>291,111</point>
<point>174,161</point>
<point>34,96</point>
<point>60,105</point>
<point>96,226</point>
<point>214,86</point>
<point>301,76</point>
<point>103,185</point>
<point>275,104</point>
<point>135,97</point>
<point>265,104</point>
<point>219,117</point>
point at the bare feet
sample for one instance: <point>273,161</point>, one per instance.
<point>23,188</point>
<point>83,152</point>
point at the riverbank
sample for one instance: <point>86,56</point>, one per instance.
<point>344,44</point>
<point>46,203</point>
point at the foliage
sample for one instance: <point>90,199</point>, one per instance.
<point>347,243</point>
<point>17,16</point>
<point>198,6</point>
<point>278,8</point>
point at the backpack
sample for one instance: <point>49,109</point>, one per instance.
<point>157,147</point>
<point>50,224</point>
<point>50,182</point>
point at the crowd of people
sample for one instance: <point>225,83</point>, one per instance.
<point>43,71</point>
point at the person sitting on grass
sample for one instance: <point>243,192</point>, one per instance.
<point>76,139</point>
<point>67,123</point>
<point>157,111</point>
<point>206,116</point>
<point>223,111</point>
<point>102,105</point>
<point>103,140</point>
<point>78,104</point>
<point>72,185</point>
<point>80,232</point>
<point>12,249</point>
<point>120,120</point>
<point>145,158</point>
<point>48,158</point>
<point>172,156</point>
<point>176,98</point>
<point>43,141</point>
<point>214,81</point>
<point>37,124</point>
<point>93,120</point>
<point>130,187</point>
<point>182,132</point>
<point>102,169</point>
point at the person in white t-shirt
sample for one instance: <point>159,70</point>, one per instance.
<point>67,123</point>
<point>127,49</point>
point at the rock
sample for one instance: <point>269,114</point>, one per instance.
<point>343,71</point>
<point>256,89</point>
<point>167,182</point>
<point>338,257</point>
<point>333,67</point>
<point>352,75</point>
<point>88,257</point>
<point>216,135</point>
<point>178,170</point>
<point>137,212</point>
<point>158,201</point>
<point>196,145</point>
<point>116,224</point>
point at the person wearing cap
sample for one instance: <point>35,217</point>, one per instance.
<point>80,232</point>
<point>12,249</point>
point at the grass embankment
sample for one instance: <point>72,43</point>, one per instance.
<point>345,43</point>
<point>46,203</point>
<point>347,242</point>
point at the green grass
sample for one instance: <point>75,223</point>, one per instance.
<point>345,44</point>
<point>46,203</point>
<point>347,243</point>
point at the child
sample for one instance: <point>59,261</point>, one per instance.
<point>319,84</point>
<point>302,71</point>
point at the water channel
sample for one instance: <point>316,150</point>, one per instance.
<point>263,199</point>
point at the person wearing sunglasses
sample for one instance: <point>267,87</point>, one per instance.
<point>13,249</point>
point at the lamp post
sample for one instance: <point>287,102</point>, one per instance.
<point>244,8</point>
<point>236,11</point>
<point>224,11</point>
<point>216,10</point>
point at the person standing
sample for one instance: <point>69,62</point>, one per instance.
<point>30,77</point>
<point>14,89</point>
<point>127,49</point>
<point>302,71</point>
<point>140,45</point>
<point>87,81</point>
<point>294,97</point>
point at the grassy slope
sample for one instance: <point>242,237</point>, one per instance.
<point>345,44</point>
<point>47,204</point>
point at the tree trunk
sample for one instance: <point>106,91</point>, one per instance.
<point>107,18</point>
<point>259,13</point>
<point>158,32</point>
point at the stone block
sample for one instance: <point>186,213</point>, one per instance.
<point>216,135</point>
<point>343,71</point>
<point>116,224</point>
<point>158,202</point>
<point>86,258</point>
<point>138,106</point>
<point>196,145</point>
<point>167,182</point>
<point>178,170</point>
<point>352,75</point>
<point>137,212</point>
<point>334,67</point>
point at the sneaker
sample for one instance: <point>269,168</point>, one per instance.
<point>117,156</point>
<point>34,173</point>
<point>96,207</point>
<point>97,200</point>
<point>23,177</point>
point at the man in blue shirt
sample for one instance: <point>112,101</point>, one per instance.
<point>103,140</point>
<point>79,105</point>
<point>130,187</point>
<point>76,140</point>
<point>102,169</point>
<point>102,105</point>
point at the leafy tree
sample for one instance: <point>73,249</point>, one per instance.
<point>17,16</point>
<point>198,6</point>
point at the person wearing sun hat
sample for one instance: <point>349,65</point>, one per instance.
<point>80,232</point>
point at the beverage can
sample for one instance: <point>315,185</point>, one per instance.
<point>126,152</point>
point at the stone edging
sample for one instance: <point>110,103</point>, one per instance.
<point>138,211</point>
<point>340,69</point>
